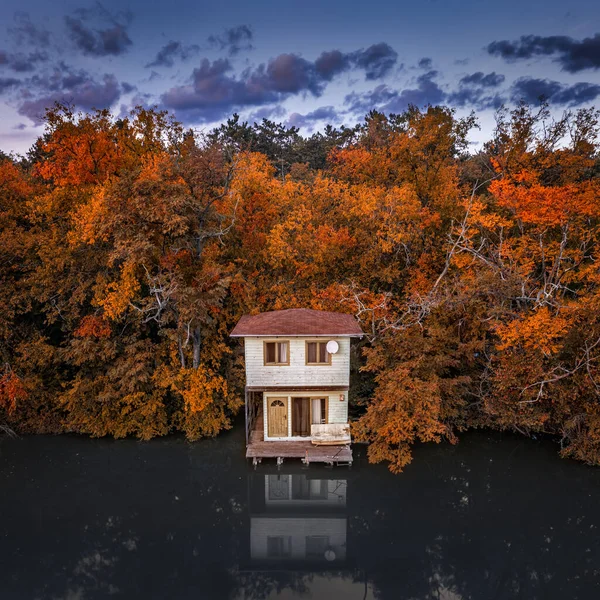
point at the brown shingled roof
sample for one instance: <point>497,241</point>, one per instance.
<point>297,321</point>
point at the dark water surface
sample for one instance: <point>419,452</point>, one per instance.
<point>494,517</point>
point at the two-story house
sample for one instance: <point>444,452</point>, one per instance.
<point>297,380</point>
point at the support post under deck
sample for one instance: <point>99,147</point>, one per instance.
<point>246,414</point>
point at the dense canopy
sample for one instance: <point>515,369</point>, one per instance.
<point>131,247</point>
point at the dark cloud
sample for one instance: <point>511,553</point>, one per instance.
<point>214,92</point>
<point>66,85</point>
<point>389,100</point>
<point>324,113</point>
<point>532,90</point>
<point>480,79</point>
<point>330,64</point>
<point>474,91</point>
<point>476,98</point>
<point>24,32</point>
<point>234,40</point>
<point>97,32</point>
<point>170,52</point>
<point>8,83</point>
<point>425,63</point>
<point>377,60</point>
<point>573,55</point>
<point>20,126</point>
<point>22,63</point>
<point>128,87</point>
<point>288,74</point>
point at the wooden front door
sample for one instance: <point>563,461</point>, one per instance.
<point>277,417</point>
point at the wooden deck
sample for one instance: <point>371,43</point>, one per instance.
<point>258,449</point>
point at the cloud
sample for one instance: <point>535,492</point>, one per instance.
<point>66,85</point>
<point>573,55</point>
<point>266,112</point>
<point>479,79</point>
<point>425,63</point>
<point>234,40</point>
<point>143,100</point>
<point>475,98</point>
<point>214,91</point>
<point>390,100</point>
<point>173,50</point>
<point>19,126</point>
<point>377,60</point>
<point>112,40</point>
<point>330,64</point>
<point>475,91</point>
<point>22,63</point>
<point>24,32</point>
<point>324,113</point>
<point>531,90</point>
<point>128,87</point>
<point>8,83</point>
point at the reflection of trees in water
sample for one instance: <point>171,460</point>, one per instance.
<point>259,585</point>
<point>490,518</point>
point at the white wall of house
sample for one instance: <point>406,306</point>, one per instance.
<point>337,409</point>
<point>293,534</point>
<point>297,372</point>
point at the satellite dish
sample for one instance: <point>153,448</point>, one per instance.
<point>332,347</point>
<point>330,554</point>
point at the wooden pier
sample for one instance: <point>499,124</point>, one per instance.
<point>258,449</point>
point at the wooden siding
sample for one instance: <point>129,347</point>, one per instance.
<point>297,373</point>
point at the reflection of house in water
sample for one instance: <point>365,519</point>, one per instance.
<point>297,519</point>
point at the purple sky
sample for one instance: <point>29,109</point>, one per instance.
<point>304,63</point>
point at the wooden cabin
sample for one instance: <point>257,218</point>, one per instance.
<point>297,380</point>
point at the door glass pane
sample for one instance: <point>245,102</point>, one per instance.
<point>279,487</point>
<point>316,411</point>
<point>300,487</point>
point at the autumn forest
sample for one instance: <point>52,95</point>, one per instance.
<point>131,246</point>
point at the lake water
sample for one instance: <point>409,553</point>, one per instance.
<point>494,517</point>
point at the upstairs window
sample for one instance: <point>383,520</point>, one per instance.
<point>316,353</point>
<point>277,353</point>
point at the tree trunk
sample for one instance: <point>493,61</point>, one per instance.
<point>181,353</point>
<point>196,342</point>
